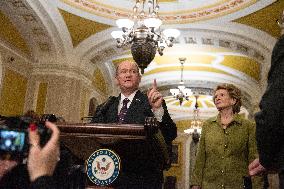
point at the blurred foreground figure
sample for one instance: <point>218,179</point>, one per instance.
<point>41,163</point>
<point>270,119</point>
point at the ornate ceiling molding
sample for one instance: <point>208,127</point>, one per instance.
<point>42,27</point>
<point>29,25</point>
<point>183,12</point>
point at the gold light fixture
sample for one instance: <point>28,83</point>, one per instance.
<point>181,92</point>
<point>196,123</point>
<point>143,33</point>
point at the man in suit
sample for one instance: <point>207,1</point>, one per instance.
<point>270,119</point>
<point>140,165</point>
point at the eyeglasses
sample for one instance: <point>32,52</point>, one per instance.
<point>125,71</point>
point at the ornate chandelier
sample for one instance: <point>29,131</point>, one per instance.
<point>181,92</point>
<point>196,123</point>
<point>143,33</point>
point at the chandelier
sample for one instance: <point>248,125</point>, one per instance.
<point>196,123</point>
<point>143,33</point>
<point>181,92</point>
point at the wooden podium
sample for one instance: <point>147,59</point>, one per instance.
<point>84,139</point>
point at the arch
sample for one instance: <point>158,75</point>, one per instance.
<point>55,27</point>
<point>100,53</point>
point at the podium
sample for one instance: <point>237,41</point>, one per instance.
<point>85,138</point>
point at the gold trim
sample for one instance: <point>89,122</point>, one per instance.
<point>194,58</point>
<point>264,19</point>
<point>89,10</point>
<point>186,68</point>
<point>81,28</point>
<point>10,33</point>
<point>14,87</point>
<point>243,64</point>
<point>119,12</point>
<point>41,98</point>
<point>191,20</point>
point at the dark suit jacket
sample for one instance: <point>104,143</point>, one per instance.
<point>138,157</point>
<point>270,120</point>
<point>43,182</point>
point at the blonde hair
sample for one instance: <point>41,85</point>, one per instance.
<point>234,93</point>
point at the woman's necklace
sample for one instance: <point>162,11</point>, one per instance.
<point>224,126</point>
<point>226,119</point>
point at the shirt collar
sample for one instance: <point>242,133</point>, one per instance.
<point>130,97</point>
<point>236,118</point>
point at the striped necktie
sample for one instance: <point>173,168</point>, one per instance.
<point>123,110</point>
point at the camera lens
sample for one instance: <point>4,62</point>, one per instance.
<point>52,118</point>
<point>49,117</point>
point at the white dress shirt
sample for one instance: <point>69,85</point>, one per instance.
<point>157,113</point>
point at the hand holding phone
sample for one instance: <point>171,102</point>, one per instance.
<point>42,160</point>
<point>14,135</point>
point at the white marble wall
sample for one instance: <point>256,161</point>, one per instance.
<point>64,95</point>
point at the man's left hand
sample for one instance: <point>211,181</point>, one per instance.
<point>154,96</point>
<point>255,168</point>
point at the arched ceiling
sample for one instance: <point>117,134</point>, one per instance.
<point>223,40</point>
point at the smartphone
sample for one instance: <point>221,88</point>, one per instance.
<point>13,141</point>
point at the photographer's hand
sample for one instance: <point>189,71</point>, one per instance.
<point>42,161</point>
<point>6,165</point>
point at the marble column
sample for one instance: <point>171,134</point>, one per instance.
<point>66,95</point>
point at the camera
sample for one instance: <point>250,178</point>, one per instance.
<point>13,141</point>
<point>14,133</point>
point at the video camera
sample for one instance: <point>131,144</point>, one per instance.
<point>14,133</point>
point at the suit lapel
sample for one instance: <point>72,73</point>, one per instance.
<point>136,102</point>
<point>138,109</point>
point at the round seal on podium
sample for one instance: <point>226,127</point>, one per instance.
<point>103,167</point>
